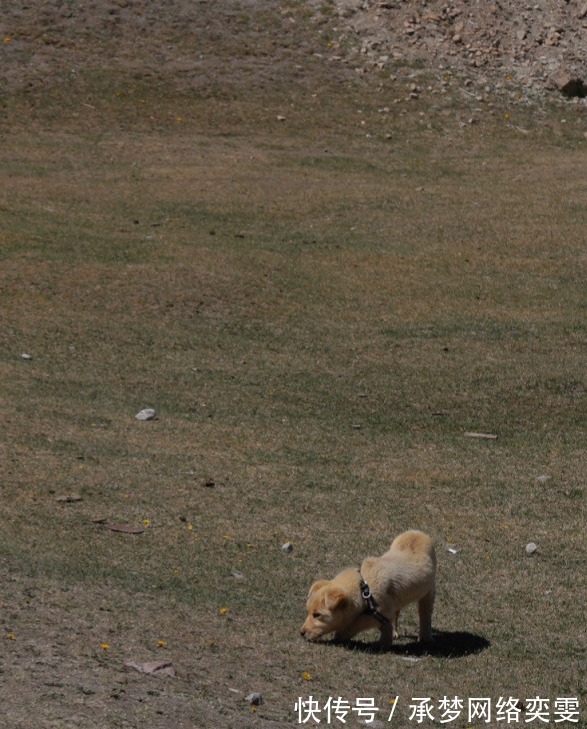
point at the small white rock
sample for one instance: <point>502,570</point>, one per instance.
<point>26,356</point>
<point>255,699</point>
<point>154,668</point>
<point>453,550</point>
<point>287,548</point>
<point>531,548</point>
<point>146,414</point>
<point>544,478</point>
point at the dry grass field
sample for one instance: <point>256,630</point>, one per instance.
<point>320,293</point>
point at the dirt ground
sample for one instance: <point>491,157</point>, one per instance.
<point>196,47</point>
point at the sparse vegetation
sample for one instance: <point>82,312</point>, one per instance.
<point>318,308</point>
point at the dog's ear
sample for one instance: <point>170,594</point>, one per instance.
<point>336,599</point>
<point>316,586</point>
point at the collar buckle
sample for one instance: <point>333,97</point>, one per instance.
<point>372,608</point>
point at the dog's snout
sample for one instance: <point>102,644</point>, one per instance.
<point>304,632</point>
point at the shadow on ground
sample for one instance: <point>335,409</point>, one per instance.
<point>446,644</point>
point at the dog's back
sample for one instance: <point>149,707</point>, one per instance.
<point>414,545</point>
<point>406,572</point>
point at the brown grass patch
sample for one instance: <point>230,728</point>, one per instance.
<point>317,316</point>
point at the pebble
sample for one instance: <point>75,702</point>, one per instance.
<point>544,478</point>
<point>157,668</point>
<point>146,414</point>
<point>287,548</point>
<point>255,699</point>
<point>26,356</point>
<point>531,548</point>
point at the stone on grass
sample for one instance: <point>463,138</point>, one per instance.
<point>146,414</point>
<point>255,699</point>
<point>125,528</point>
<point>569,84</point>
<point>153,668</point>
<point>287,548</point>
<point>531,548</point>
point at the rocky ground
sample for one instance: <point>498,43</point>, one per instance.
<point>526,47</point>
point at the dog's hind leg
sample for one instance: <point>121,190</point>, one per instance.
<point>425,608</point>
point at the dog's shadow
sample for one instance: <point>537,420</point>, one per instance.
<point>445,644</point>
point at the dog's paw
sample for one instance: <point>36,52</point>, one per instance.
<point>427,638</point>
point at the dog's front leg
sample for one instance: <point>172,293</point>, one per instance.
<point>359,624</point>
<point>387,635</point>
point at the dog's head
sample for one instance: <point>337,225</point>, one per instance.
<point>329,609</point>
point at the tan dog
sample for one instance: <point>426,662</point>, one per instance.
<point>372,597</point>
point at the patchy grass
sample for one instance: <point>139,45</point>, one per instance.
<point>318,313</point>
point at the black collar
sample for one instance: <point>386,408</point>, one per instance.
<point>371,602</point>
